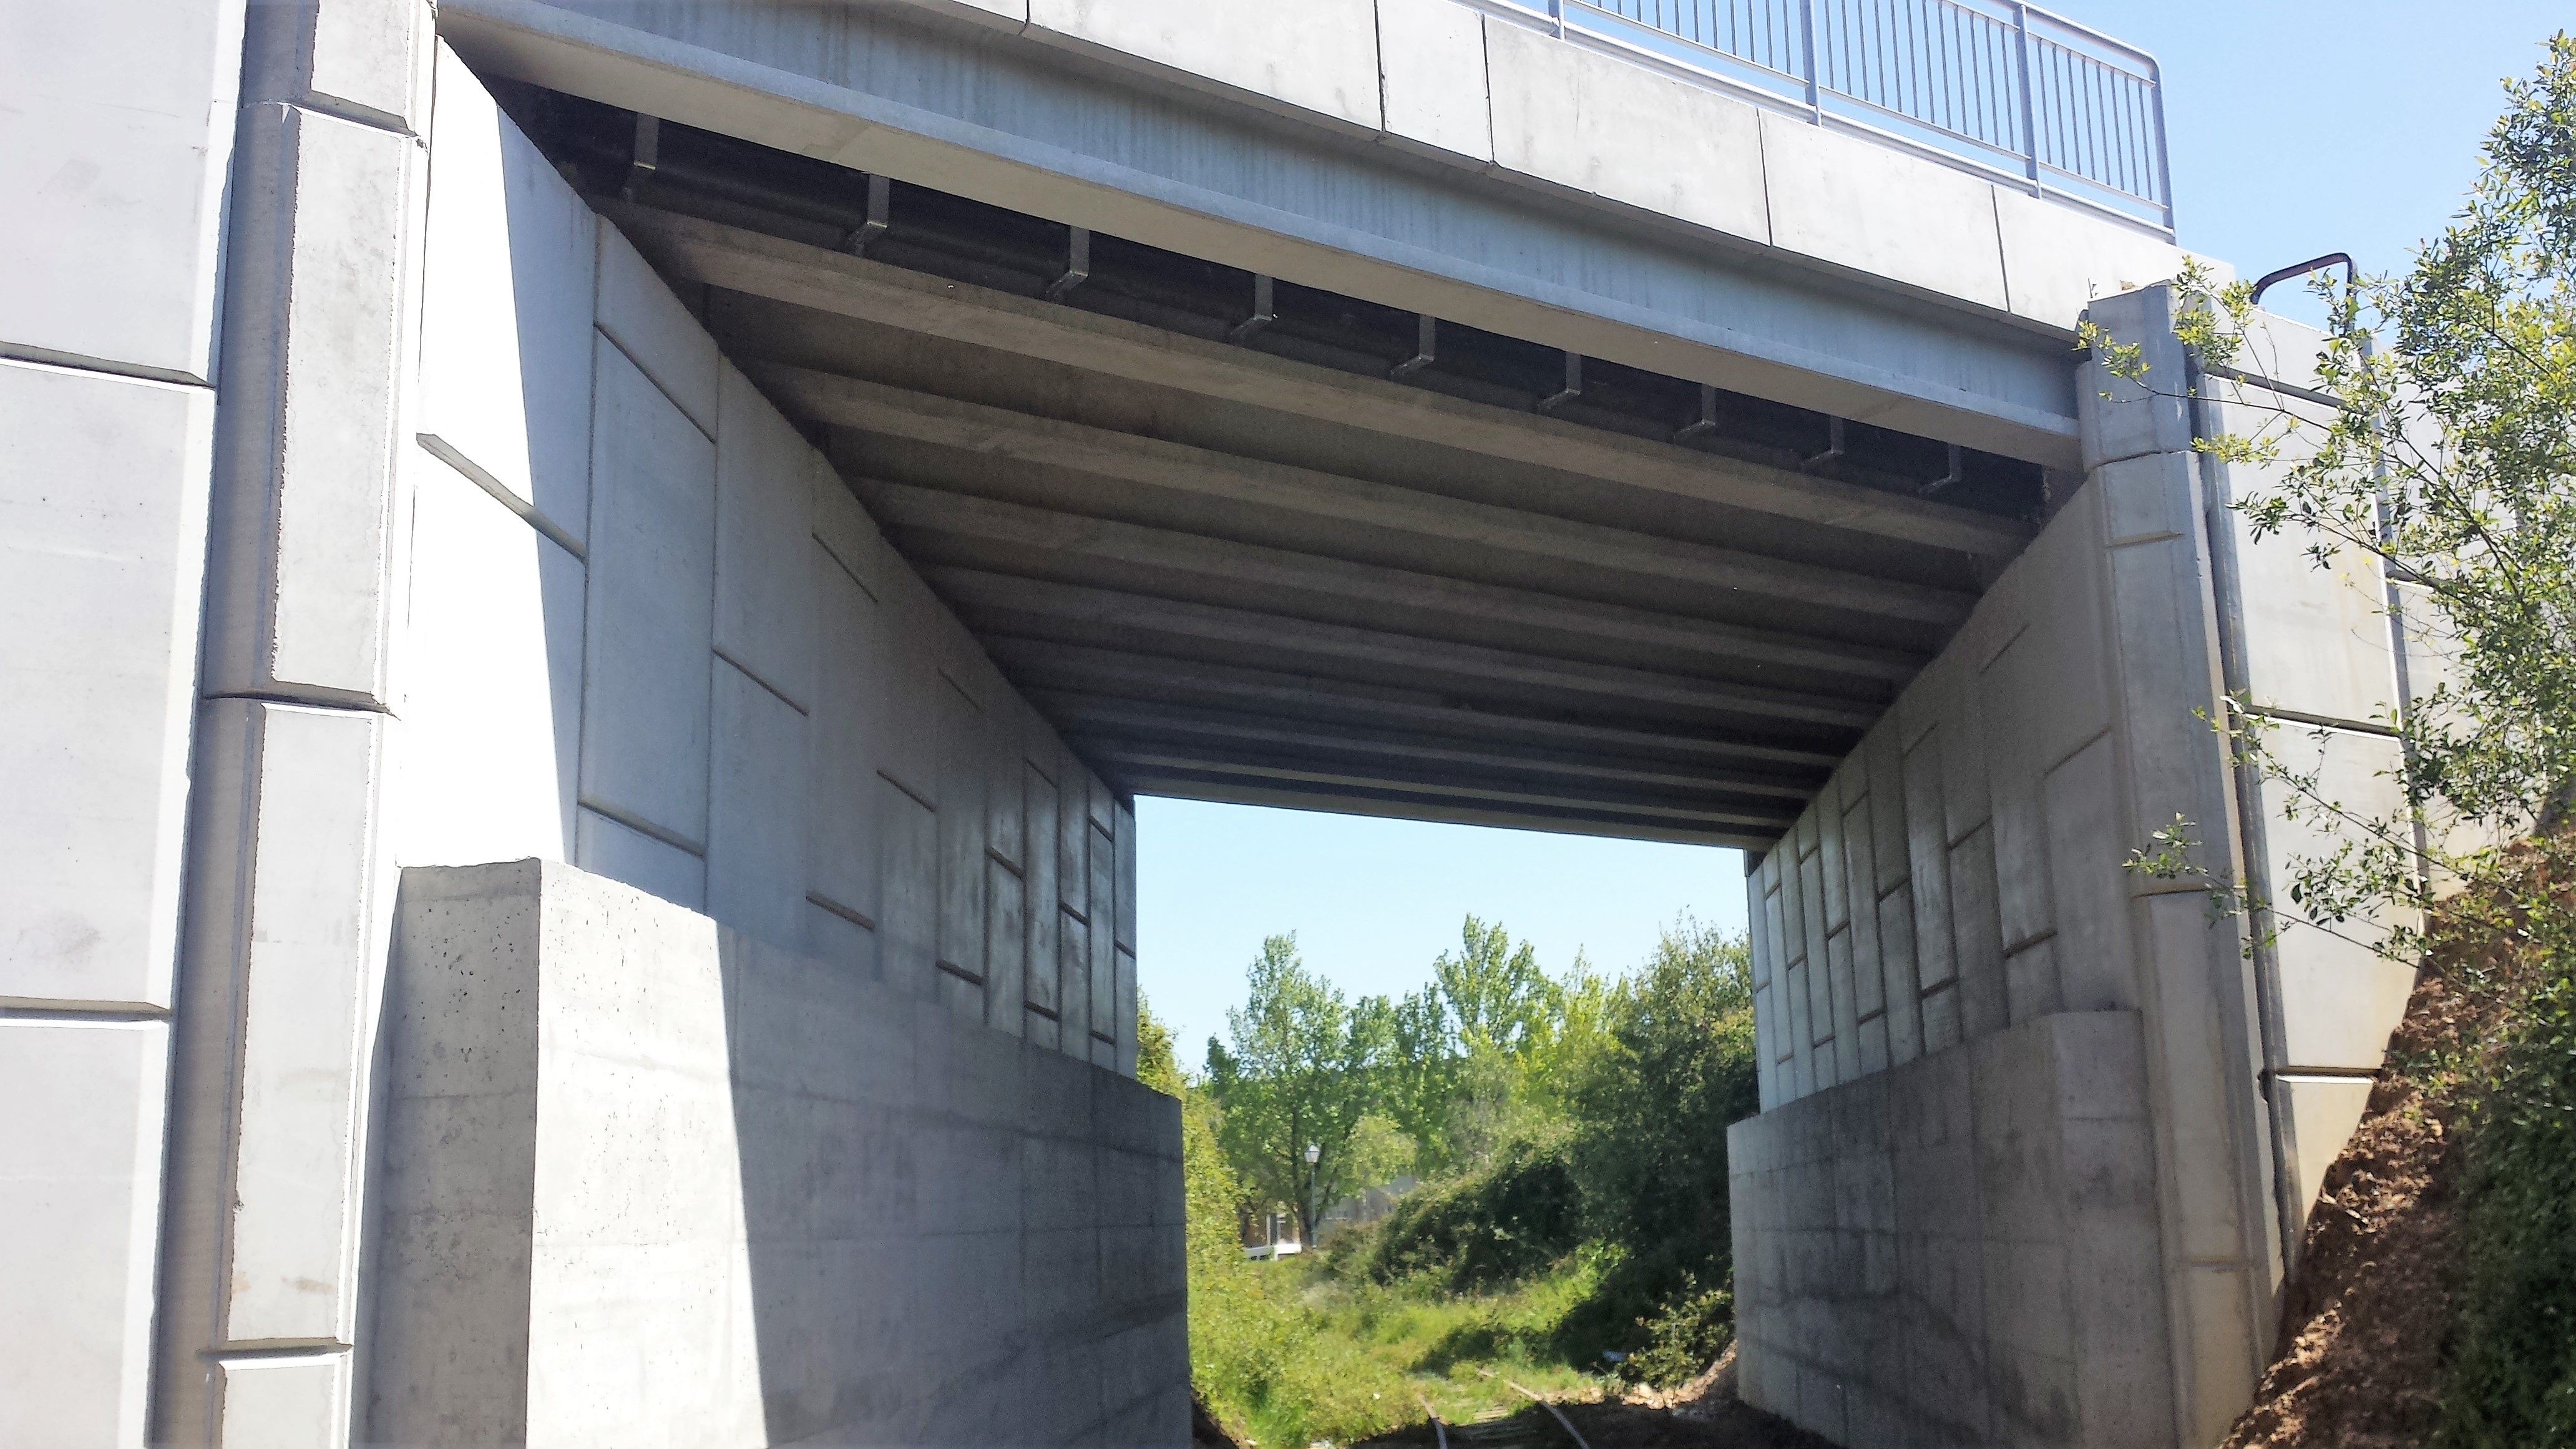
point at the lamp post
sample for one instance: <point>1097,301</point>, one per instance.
<point>1314,1154</point>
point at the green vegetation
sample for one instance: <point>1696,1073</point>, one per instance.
<point>2452,458</point>
<point>1570,1223</point>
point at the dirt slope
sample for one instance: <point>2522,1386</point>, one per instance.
<point>2358,1364</point>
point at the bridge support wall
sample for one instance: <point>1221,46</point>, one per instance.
<point>650,1180</point>
<point>467,546</point>
<point>1959,884</point>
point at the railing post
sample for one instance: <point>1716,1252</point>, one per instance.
<point>2164,167</point>
<point>2029,101</point>
<point>1807,69</point>
<point>1556,16</point>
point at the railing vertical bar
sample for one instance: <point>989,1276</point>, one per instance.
<point>2029,112</point>
<point>1807,56</point>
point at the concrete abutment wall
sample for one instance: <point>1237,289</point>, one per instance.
<point>650,1180</point>
<point>1958,885</point>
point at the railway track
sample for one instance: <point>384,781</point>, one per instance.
<point>1518,1431</point>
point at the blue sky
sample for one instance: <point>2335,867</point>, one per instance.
<point>2295,129</point>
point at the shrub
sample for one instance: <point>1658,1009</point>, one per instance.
<point>1683,1337</point>
<point>1515,1217</point>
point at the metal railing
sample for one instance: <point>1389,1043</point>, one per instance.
<point>1997,87</point>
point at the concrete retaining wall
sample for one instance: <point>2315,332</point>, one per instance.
<point>1961,875</point>
<point>650,1181</point>
<point>1960,1250</point>
<point>114,158</point>
<point>652,633</point>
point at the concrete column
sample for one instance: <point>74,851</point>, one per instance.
<point>114,148</point>
<point>2204,1055</point>
<point>289,885</point>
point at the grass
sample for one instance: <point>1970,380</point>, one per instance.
<point>1340,1360</point>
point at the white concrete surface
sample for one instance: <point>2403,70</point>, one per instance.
<point>80,1177</point>
<point>1579,119</point>
<point>756,871</point>
<point>113,155</point>
<point>319,294</point>
<point>490,660</point>
<point>1431,76</point>
<point>102,558</point>
<point>511,260</point>
<point>638,312</point>
<point>1961,1250</point>
<point>765,492</point>
<point>652,600</point>
<point>2057,729</point>
<point>1317,60</point>
<point>650,1181</point>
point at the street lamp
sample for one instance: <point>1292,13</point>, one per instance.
<point>1314,1154</point>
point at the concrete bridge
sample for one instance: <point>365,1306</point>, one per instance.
<point>595,582</point>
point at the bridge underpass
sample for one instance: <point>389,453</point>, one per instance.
<point>1339,556</point>
<point>815,465</point>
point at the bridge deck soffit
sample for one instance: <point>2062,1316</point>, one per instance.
<point>1263,570</point>
<point>1861,283</point>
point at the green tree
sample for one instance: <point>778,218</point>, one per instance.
<point>1420,1073</point>
<point>1674,1067</point>
<point>1301,1071</point>
<point>1496,996</point>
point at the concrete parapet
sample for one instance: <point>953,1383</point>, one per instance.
<point>647,1180</point>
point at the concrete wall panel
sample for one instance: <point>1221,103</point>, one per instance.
<point>510,274</point>
<point>964,741</point>
<point>291,975</point>
<point>361,58</point>
<point>1431,64</point>
<point>619,851</point>
<point>1044,912</point>
<point>2317,644</point>
<point>652,567</point>
<point>845,530</point>
<point>298,1401</point>
<point>764,610</point>
<point>908,890</point>
<point>859,1215</point>
<point>912,701</point>
<point>846,739</point>
<point>81,1109</point>
<point>2325,1111</point>
<point>2339,998</point>
<point>1851,202</point>
<point>638,312</point>
<point>103,488</point>
<point>318,301</point>
<point>2056,259</point>
<point>1976,923</point>
<point>1960,1250</point>
<point>114,155</point>
<point>759,793</point>
<point>1569,117</point>
<point>1320,58</point>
